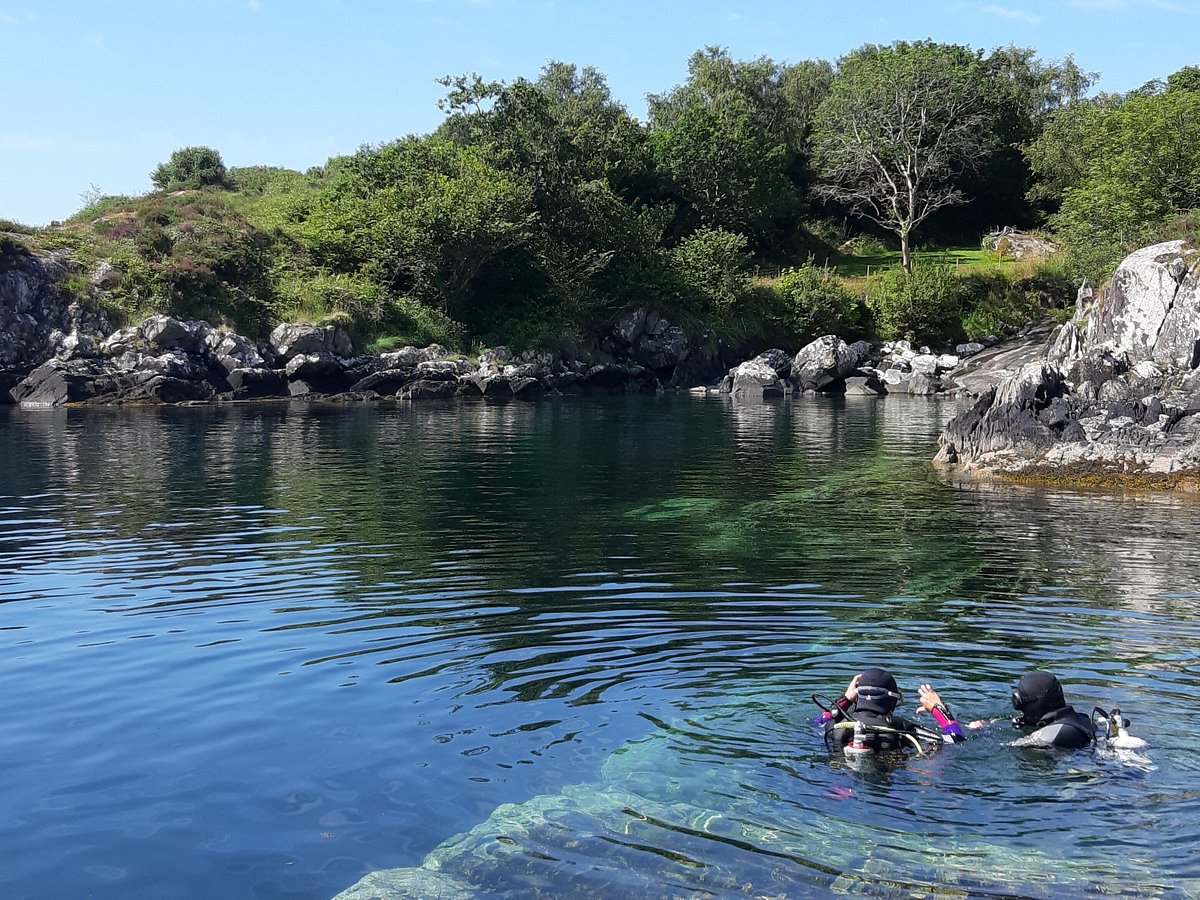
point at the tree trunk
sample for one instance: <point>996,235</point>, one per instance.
<point>906,254</point>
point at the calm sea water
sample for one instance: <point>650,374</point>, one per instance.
<point>568,648</point>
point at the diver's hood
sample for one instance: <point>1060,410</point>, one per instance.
<point>877,692</point>
<point>1036,695</point>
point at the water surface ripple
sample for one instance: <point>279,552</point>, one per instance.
<point>568,648</point>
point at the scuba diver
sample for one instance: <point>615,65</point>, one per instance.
<point>861,721</point>
<point>1040,705</point>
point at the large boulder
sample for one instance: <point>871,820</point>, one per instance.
<point>1005,420</point>
<point>1019,244</point>
<point>411,357</point>
<point>1151,309</point>
<point>428,389</point>
<point>165,332</point>
<point>661,347</point>
<point>290,340</point>
<point>257,383</point>
<point>312,366</point>
<point>59,382</point>
<point>756,379</point>
<point>824,364</point>
<point>233,351</point>
<point>778,360</point>
<point>629,327</point>
<point>386,382</point>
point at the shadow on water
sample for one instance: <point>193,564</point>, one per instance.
<point>567,648</point>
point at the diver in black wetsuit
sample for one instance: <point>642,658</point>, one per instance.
<point>1040,705</point>
<point>873,694</point>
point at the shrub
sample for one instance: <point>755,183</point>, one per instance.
<point>867,245</point>
<point>16,227</point>
<point>712,264</point>
<point>259,180</point>
<point>190,168</point>
<point>102,207</point>
<point>364,307</point>
<point>813,302</point>
<point>927,305</point>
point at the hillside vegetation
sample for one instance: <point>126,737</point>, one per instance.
<point>540,209</point>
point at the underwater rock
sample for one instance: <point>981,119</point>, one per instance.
<point>653,819</point>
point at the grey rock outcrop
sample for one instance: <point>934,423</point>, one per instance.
<point>36,320</point>
<point>289,340</point>
<point>1115,395</point>
<point>1019,244</point>
<point>824,364</point>
<point>755,379</point>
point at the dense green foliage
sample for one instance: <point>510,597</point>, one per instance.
<point>541,210</point>
<point>190,168</point>
<point>814,302</point>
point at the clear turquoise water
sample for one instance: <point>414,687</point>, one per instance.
<point>567,648</point>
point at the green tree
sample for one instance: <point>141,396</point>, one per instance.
<point>594,239</point>
<point>733,141</point>
<point>190,168</point>
<point>1186,79</point>
<point>1061,152</point>
<point>900,125</point>
<point>422,216</point>
<point>1146,169</point>
<point>1022,92</point>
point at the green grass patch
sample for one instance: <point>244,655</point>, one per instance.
<point>962,259</point>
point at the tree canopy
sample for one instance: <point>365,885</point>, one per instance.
<point>901,123</point>
<point>190,168</point>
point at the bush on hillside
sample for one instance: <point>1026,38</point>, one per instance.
<point>712,264</point>
<point>812,302</point>
<point>190,168</point>
<point>364,307</point>
<point>927,305</point>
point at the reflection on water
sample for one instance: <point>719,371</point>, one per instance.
<point>567,647</point>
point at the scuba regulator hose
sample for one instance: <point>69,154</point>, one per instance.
<point>882,729</point>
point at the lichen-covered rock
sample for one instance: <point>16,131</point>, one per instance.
<point>385,382</point>
<point>165,332</point>
<point>59,382</point>
<point>310,366</point>
<point>1004,420</point>
<point>823,365</point>
<point>443,367</point>
<point>778,360</point>
<point>290,340</point>
<point>1151,309</point>
<point>755,379</point>
<point>629,327</point>
<point>428,389</point>
<point>410,357</point>
<point>865,385</point>
<point>35,318</point>
<point>233,351</point>
<point>1019,244</point>
<point>661,348</point>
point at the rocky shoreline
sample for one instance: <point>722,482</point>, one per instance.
<point>1114,398</point>
<point>1110,397</point>
<point>53,353</point>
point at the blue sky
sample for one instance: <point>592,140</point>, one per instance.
<point>99,91</point>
